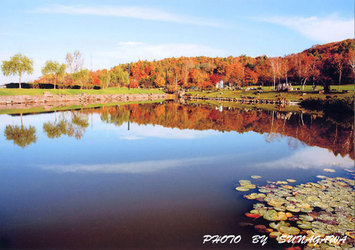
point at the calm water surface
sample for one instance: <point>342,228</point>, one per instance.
<point>152,175</point>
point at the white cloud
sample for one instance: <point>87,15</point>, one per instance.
<point>129,167</point>
<point>310,157</point>
<point>134,51</point>
<point>327,29</point>
<point>167,133</point>
<point>137,12</point>
<point>131,138</point>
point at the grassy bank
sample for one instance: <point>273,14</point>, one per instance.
<point>268,93</point>
<point>108,91</point>
<point>287,108</point>
<point>36,110</point>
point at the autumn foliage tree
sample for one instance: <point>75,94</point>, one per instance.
<point>324,65</point>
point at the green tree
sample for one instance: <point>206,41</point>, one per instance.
<point>105,78</point>
<point>54,71</point>
<point>119,77</point>
<point>61,73</point>
<point>17,65</point>
<point>81,77</point>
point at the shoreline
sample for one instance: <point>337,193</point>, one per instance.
<point>245,100</point>
<point>25,101</point>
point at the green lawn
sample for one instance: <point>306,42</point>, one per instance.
<point>308,88</point>
<point>268,93</point>
<point>35,110</point>
<point>107,91</point>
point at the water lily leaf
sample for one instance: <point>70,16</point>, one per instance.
<point>274,234</point>
<point>288,214</point>
<point>242,189</point>
<point>304,224</point>
<point>270,215</point>
<point>256,177</point>
<point>321,176</point>
<point>281,216</point>
<point>329,170</point>
<point>291,180</point>
<point>289,230</point>
<point>292,208</point>
<point>252,215</point>
<point>281,208</point>
<point>259,205</point>
<point>244,182</point>
<point>281,182</point>
<point>253,196</point>
<point>276,225</point>
<point>306,217</point>
<point>263,190</point>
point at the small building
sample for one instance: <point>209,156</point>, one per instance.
<point>219,85</point>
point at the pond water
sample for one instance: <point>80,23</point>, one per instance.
<point>156,175</point>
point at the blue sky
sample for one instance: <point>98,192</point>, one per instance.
<point>110,32</point>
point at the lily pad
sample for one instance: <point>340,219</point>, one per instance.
<point>242,189</point>
<point>321,208</point>
<point>281,182</point>
<point>304,224</point>
<point>289,230</point>
<point>270,215</point>
<point>244,182</point>
<point>304,217</point>
<point>292,208</point>
<point>274,234</point>
<point>254,196</point>
<point>291,180</point>
<point>330,170</point>
<point>256,177</point>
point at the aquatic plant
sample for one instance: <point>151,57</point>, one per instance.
<point>325,208</point>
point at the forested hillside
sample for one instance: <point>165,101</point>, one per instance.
<point>326,64</point>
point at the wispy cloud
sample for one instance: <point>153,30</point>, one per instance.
<point>131,138</point>
<point>310,157</point>
<point>149,131</point>
<point>137,12</point>
<point>129,167</point>
<point>132,51</point>
<point>326,29</point>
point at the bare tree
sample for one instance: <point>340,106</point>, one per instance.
<point>275,66</point>
<point>74,61</point>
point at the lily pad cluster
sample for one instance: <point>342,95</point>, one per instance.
<point>324,208</point>
<point>245,185</point>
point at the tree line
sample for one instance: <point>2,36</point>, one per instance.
<point>331,63</point>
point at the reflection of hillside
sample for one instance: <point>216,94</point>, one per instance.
<point>310,129</point>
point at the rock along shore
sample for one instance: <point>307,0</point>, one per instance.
<point>47,99</point>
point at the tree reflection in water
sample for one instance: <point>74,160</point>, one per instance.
<point>314,129</point>
<point>21,135</point>
<point>75,126</point>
